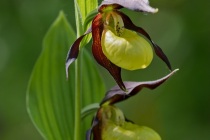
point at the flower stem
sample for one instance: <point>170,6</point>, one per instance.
<point>77,128</point>
<point>77,111</point>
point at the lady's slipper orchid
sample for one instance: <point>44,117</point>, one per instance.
<point>110,123</point>
<point>117,42</point>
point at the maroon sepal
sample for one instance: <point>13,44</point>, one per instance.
<point>116,94</point>
<point>129,25</point>
<point>95,125</point>
<point>97,29</point>
<point>74,51</point>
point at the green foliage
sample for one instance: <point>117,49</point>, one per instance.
<point>84,11</point>
<point>50,96</point>
<point>87,110</point>
<point>84,7</point>
<point>49,93</point>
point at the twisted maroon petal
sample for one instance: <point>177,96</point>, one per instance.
<point>115,94</point>
<point>74,51</point>
<point>95,127</point>
<point>97,29</point>
<point>129,25</point>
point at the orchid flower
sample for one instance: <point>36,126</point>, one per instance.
<point>110,123</point>
<point>117,42</point>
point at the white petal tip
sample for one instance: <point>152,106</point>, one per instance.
<point>68,63</point>
<point>156,10</point>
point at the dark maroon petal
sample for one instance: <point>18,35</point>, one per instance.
<point>116,94</point>
<point>129,25</point>
<point>159,52</point>
<point>74,51</point>
<point>97,29</point>
<point>95,127</point>
<point>88,134</point>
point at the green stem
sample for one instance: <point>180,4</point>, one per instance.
<point>77,112</point>
<point>77,128</point>
<point>78,19</point>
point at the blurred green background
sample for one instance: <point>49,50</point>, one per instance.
<point>177,110</point>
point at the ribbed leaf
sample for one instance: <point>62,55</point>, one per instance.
<point>50,96</point>
<point>85,7</point>
<point>90,16</point>
<point>87,110</point>
<point>93,88</point>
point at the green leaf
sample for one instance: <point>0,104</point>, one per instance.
<point>89,18</point>
<point>85,7</point>
<point>87,110</point>
<point>50,96</point>
<point>93,87</point>
<point>87,25</point>
<point>84,11</point>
